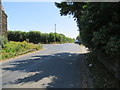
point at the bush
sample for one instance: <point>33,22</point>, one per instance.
<point>37,37</point>
<point>99,26</point>
<point>12,48</point>
<point>16,36</point>
<point>3,40</point>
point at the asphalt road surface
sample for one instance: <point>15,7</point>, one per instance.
<point>56,66</point>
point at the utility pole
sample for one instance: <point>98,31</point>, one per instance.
<point>55,32</point>
<point>55,28</point>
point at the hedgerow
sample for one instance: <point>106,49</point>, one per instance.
<point>38,37</point>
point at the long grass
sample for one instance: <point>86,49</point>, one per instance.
<point>11,49</point>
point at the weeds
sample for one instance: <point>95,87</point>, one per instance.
<point>11,49</point>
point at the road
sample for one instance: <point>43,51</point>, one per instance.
<point>56,66</point>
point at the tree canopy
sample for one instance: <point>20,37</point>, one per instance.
<point>99,24</point>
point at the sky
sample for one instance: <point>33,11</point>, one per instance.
<point>39,16</point>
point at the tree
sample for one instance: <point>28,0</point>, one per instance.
<point>34,36</point>
<point>99,24</point>
<point>37,37</point>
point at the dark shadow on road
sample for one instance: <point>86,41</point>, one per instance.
<point>64,67</point>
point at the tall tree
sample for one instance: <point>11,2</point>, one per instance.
<point>99,24</point>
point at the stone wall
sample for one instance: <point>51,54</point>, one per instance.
<point>0,18</point>
<point>3,21</point>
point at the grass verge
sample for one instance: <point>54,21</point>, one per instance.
<point>12,49</point>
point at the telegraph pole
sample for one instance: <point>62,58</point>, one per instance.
<point>55,28</point>
<point>55,32</point>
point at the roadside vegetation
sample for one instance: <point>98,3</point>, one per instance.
<point>78,38</point>
<point>38,37</point>
<point>19,42</point>
<point>99,26</point>
<point>12,49</point>
<point>102,78</point>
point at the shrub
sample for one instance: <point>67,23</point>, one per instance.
<point>16,48</point>
<point>3,40</point>
<point>37,37</point>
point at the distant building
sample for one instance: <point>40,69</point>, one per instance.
<point>3,21</point>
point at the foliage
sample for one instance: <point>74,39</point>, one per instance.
<point>3,40</point>
<point>99,24</point>
<point>16,48</point>
<point>33,36</point>
<point>102,78</point>
<point>38,37</point>
<point>16,35</point>
<point>78,38</point>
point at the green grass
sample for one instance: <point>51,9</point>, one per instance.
<point>102,78</point>
<point>12,49</point>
